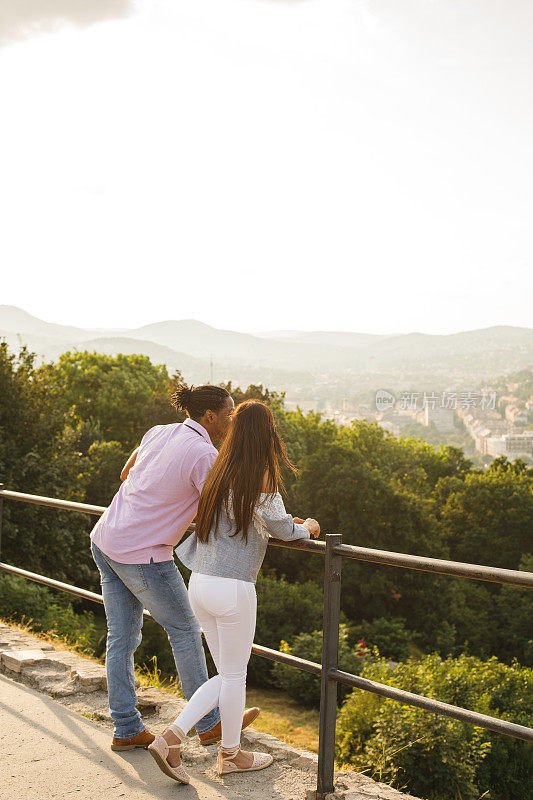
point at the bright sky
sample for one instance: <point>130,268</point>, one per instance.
<point>264,164</point>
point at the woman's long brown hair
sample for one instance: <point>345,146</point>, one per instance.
<point>251,447</point>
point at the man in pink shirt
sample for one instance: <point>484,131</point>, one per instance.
<point>133,543</point>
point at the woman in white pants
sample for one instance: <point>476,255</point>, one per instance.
<point>240,508</point>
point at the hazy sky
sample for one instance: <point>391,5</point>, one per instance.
<point>258,164</point>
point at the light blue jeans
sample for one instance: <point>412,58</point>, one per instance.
<point>158,587</point>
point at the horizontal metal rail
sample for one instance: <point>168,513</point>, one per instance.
<point>479,572</point>
<point>285,658</point>
<point>514,577</point>
<point>438,707</point>
<point>408,698</point>
<point>310,545</point>
<point>436,565</point>
<point>52,502</point>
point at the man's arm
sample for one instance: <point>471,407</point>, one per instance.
<point>201,470</point>
<point>128,465</point>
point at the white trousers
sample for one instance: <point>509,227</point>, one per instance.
<point>226,610</point>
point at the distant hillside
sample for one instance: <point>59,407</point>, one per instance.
<point>15,320</point>
<point>286,358</point>
<point>337,338</point>
<point>157,354</point>
<point>482,351</point>
<point>202,340</point>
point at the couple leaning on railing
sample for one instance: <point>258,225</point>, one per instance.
<point>176,475</point>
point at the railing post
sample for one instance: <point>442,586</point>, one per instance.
<point>1,510</point>
<point>330,659</point>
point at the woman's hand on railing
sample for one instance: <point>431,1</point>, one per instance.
<point>312,526</point>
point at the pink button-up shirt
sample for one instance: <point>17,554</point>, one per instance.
<point>158,500</point>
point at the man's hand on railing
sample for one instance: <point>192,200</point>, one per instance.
<point>128,465</point>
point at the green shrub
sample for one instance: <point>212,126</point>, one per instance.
<point>304,687</point>
<point>283,610</point>
<point>76,628</point>
<point>20,599</point>
<point>433,756</point>
<point>388,634</point>
<point>43,610</point>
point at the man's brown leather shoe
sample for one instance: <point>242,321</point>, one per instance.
<point>214,735</point>
<point>142,739</point>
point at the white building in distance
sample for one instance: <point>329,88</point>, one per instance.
<point>442,418</point>
<point>511,445</point>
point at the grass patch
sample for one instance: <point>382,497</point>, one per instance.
<point>151,676</point>
<point>93,715</point>
<point>284,718</point>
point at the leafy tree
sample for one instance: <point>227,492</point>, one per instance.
<point>411,463</point>
<point>104,464</point>
<point>512,623</point>
<point>502,464</point>
<point>121,396</point>
<point>255,392</point>
<point>353,497</point>
<point>389,634</point>
<point>38,456</point>
<point>487,518</point>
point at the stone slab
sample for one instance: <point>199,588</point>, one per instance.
<point>15,660</point>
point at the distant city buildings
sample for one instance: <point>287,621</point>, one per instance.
<point>442,418</point>
<point>512,445</point>
<point>495,415</point>
<point>304,404</point>
<point>516,415</point>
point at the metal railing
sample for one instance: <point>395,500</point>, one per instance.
<point>328,672</point>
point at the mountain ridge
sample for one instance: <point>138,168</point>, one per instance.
<point>318,355</point>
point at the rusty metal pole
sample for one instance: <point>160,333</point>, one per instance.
<point>330,661</point>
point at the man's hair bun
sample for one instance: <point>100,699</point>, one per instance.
<point>197,400</point>
<point>181,399</point>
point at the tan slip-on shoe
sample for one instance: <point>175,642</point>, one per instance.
<point>159,750</point>
<point>142,739</point>
<point>214,735</point>
<point>227,765</point>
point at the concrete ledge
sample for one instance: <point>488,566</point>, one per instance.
<point>15,660</point>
